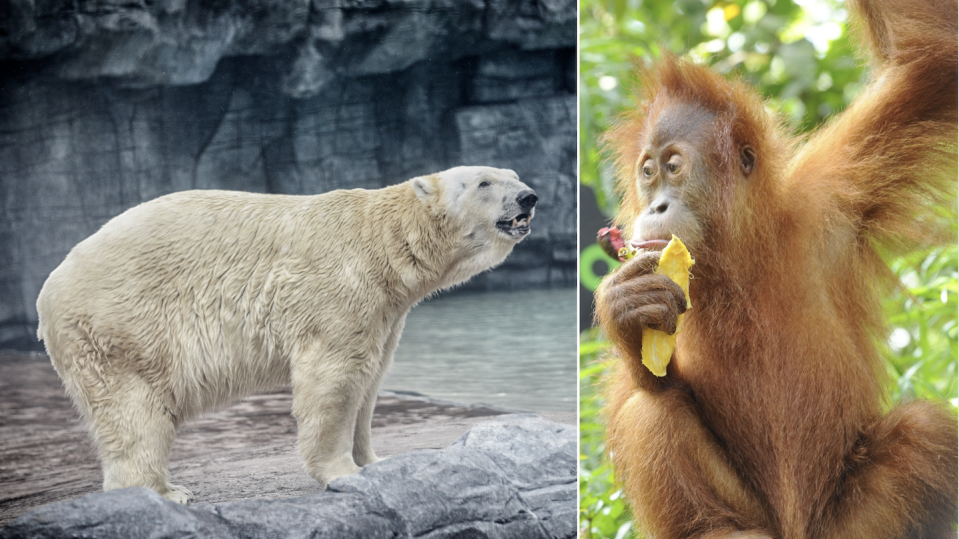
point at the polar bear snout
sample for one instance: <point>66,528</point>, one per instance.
<point>516,225</point>
<point>527,199</point>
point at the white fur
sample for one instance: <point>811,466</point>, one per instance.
<point>197,298</point>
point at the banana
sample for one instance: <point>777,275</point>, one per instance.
<point>658,346</point>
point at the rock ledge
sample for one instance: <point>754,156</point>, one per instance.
<point>511,477</point>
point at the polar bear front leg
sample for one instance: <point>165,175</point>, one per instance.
<point>362,437</point>
<point>362,445</point>
<point>326,401</point>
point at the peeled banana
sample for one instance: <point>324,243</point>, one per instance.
<point>658,346</point>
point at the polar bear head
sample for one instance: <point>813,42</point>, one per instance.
<point>491,203</point>
<point>491,207</point>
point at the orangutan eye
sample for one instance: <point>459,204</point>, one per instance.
<point>648,168</point>
<point>675,163</point>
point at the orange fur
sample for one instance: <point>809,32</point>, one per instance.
<point>770,417</point>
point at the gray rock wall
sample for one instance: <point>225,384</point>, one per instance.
<point>106,104</point>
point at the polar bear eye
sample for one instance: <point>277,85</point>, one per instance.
<point>484,183</point>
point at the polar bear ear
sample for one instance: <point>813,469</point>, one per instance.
<point>424,187</point>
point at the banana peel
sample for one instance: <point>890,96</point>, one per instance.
<point>658,345</point>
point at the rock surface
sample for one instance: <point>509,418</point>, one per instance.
<point>514,476</point>
<point>246,450</point>
<point>105,104</point>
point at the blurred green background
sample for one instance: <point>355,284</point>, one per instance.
<point>799,56</point>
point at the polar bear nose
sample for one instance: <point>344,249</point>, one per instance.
<point>526,199</point>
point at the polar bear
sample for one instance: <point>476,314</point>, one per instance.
<point>194,299</point>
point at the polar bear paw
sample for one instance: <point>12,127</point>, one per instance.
<point>367,459</point>
<point>327,472</point>
<point>178,494</point>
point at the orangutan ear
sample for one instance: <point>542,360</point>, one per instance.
<point>747,159</point>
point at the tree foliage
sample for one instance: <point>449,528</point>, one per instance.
<point>800,59</point>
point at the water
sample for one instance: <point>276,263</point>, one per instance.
<point>509,349</point>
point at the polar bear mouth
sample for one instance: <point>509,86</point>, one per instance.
<point>516,226</point>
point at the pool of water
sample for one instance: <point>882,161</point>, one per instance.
<point>509,349</point>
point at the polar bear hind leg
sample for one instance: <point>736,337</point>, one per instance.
<point>133,432</point>
<point>131,427</point>
<point>134,436</point>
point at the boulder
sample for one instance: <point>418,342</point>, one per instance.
<point>514,476</point>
